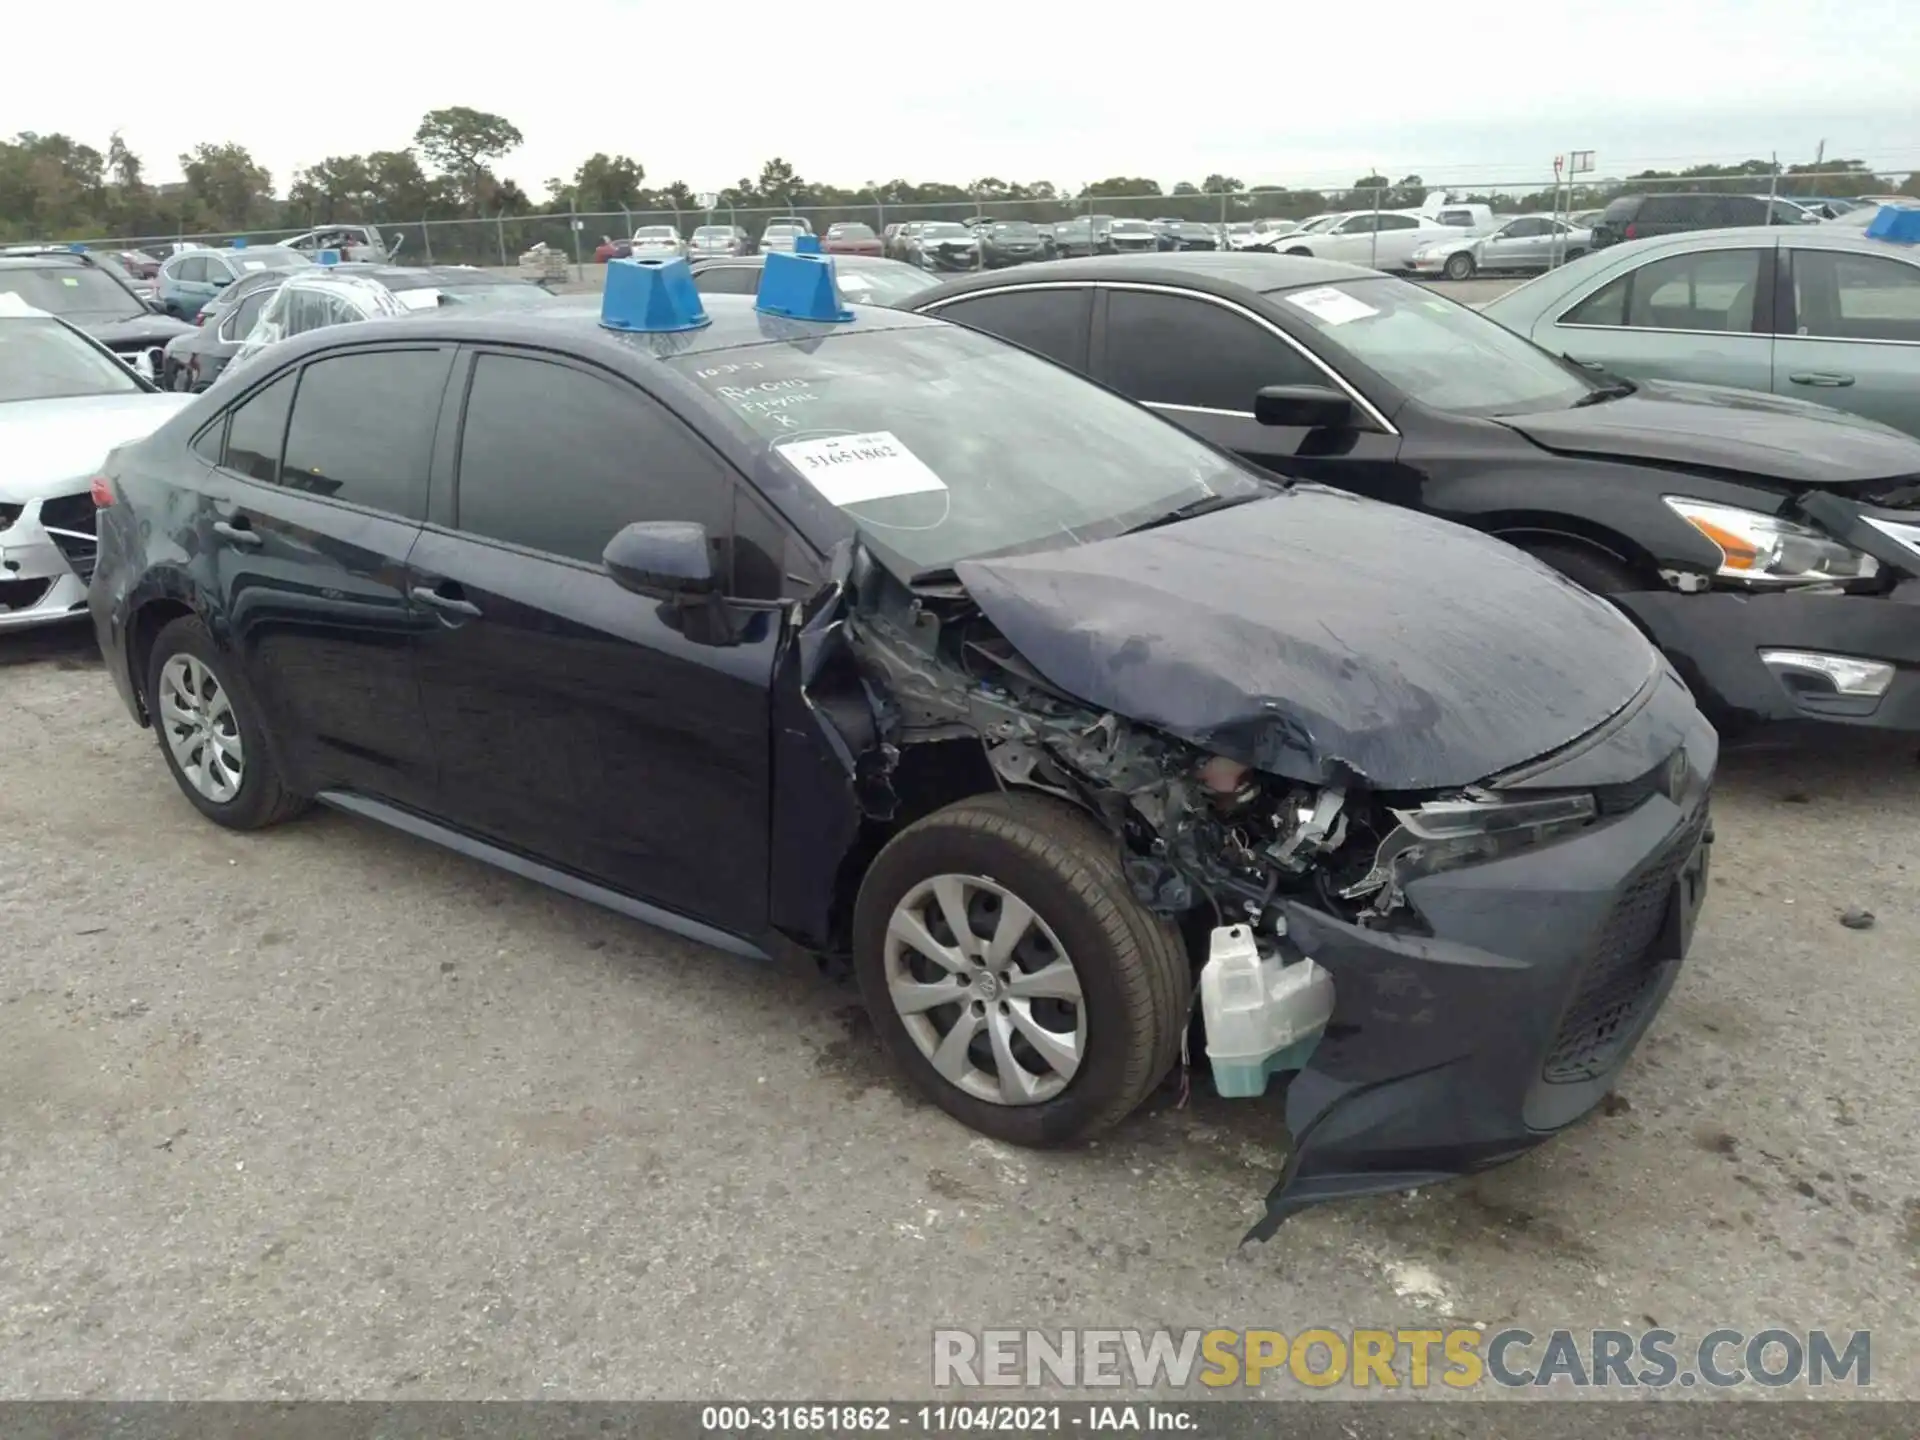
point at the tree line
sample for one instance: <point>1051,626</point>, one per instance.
<point>54,187</point>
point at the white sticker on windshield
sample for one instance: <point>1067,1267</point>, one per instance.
<point>1333,307</point>
<point>853,469</point>
<point>253,264</point>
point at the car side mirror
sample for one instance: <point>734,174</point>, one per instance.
<point>156,306</point>
<point>1309,407</point>
<point>661,558</point>
<point>220,282</point>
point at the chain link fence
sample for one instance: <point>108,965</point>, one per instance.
<point>500,240</point>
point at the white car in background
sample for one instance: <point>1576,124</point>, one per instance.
<point>65,402</point>
<point>1382,239</point>
<point>1525,245</point>
<point>658,242</point>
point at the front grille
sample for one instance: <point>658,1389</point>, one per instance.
<point>22,594</point>
<point>70,522</point>
<point>1623,974</point>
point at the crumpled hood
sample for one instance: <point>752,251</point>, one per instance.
<point>1316,634</point>
<point>48,444</point>
<point>1716,428</point>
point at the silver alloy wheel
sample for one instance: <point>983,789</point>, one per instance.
<point>986,990</point>
<point>201,729</point>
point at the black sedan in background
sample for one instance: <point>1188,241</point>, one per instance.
<point>94,298</point>
<point>820,639</point>
<point>944,245</point>
<point>1771,547</point>
<point>1011,242</point>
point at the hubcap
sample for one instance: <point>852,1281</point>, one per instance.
<point>986,990</point>
<point>201,729</point>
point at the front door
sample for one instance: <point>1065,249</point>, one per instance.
<point>1199,362</point>
<point>616,736</point>
<point>316,502</point>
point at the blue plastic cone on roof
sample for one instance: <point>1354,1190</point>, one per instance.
<point>328,257</point>
<point>652,297</point>
<point>77,248</point>
<point>806,244</point>
<point>240,243</point>
<point>800,287</point>
<point>1898,223</point>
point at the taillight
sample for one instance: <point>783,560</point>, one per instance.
<point>1629,232</point>
<point>102,492</point>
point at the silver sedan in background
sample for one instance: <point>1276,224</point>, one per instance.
<point>1525,244</point>
<point>1816,312</point>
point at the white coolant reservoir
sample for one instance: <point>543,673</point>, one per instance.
<point>1262,1015</point>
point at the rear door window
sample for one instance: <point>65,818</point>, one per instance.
<point>1053,323</point>
<point>1838,295</point>
<point>1183,351</point>
<point>362,428</point>
<point>192,269</point>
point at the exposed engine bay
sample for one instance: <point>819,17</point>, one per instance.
<point>1199,828</point>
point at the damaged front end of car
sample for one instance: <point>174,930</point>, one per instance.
<point>1444,973</point>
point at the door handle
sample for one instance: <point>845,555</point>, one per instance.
<point>236,531</point>
<point>1819,377</point>
<point>446,604</point>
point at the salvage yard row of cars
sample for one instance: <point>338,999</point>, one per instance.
<point>1091,658</point>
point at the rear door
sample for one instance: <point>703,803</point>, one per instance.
<point>1703,316</point>
<point>318,497</point>
<point>1850,334</point>
<point>617,737</point>
<point>1199,360</point>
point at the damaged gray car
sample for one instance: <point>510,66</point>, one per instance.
<point>877,641</point>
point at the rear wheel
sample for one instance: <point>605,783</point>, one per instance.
<point>1460,266</point>
<point>1011,973</point>
<point>209,728</point>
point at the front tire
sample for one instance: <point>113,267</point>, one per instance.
<point>209,728</point>
<point>1011,973</point>
<point>1460,266</point>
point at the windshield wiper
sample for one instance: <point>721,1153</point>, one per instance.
<point>1205,505</point>
<point>1617,391</point>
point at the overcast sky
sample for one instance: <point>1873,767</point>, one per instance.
<point>1275,93</point>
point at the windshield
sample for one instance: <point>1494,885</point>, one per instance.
<point>1447,356</point>
<point>850,231</point>
<point>881,284</point>
<point>42,359</point>
<point>713,232</point>
<point>781,230</point>
<point>941,229</point>
<point>1131,227</point>
<point>79,293</point>
<point>944,445</point>
<point>656,232</point>
<point>1324,222</point>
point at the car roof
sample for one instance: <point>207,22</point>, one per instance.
<point>571,324</point>
<point>406,277</point>
<point>1212,270</point>
<point>43,257</point>
<point>1817,237</point>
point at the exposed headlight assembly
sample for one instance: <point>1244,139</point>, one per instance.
<point>1760,550</point>
<point>1447,834</point>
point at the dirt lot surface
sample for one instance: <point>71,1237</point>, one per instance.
<point>326,1111</point>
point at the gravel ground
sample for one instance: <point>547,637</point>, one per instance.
<point>327,1112</point>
